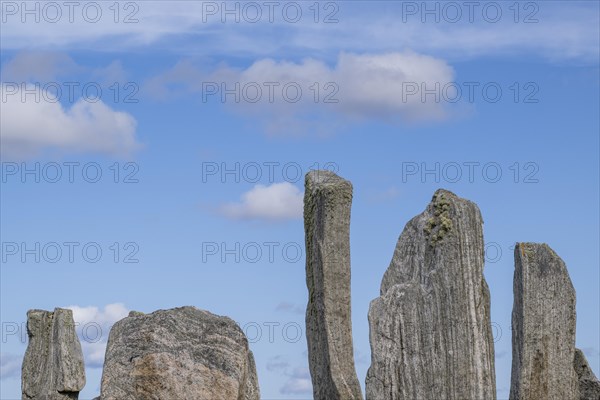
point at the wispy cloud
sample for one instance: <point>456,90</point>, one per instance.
<point>278,364</point>
<point>297,379</point>
<point>38,66</point>
<point>10,366</point>
<point>361,358</point>
<point>42,67</point>
<point>276,202</point>
<point>557,30</point>
<point>391,193</point>
<point>298,382</point>
<point>285,306</point>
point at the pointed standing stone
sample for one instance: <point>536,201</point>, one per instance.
<point>327,202</point>
<point>589,386</point>
<point>53,366</point>
<point>543,326</point>
<point>430,330</point>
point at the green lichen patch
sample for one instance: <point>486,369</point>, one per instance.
<point>438,226</point>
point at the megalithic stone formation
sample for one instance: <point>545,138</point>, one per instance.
<point>53,366</point>
<point>543,327</point>
<point>589,386</point>
<point>182,353</point>
<point>430,330</point>
<point>327,202</point>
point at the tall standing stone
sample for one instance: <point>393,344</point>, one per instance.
<point>589,386</point>
<point>430,330</point>
<point>543,326</point>
<point>327,202</point>
<point>53,366</point>
<point>178,354</point>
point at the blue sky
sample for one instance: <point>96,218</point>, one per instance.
<point>502,109</point>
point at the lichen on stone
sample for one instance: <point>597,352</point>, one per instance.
<point>440,223</point>
<point>526,250</point>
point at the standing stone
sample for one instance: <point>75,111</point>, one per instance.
<point>53,366</point>
<point>543,326</point>
<point>327,201</point>
<point>178,354</point>
<point>589,386</point>
<point>430,330</point>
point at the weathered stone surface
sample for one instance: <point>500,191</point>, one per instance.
<point>327,202</point>
<point>430,330</point>
<point>543,326</point>
<point>53,366</point>
<point>589,386</point>
<point>178,354</point>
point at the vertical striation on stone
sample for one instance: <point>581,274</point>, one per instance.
<point>327,202</point>
<point>589,386</point>
<point>178,354</point>
<point>543,326</point>
<point>53,366</point>
<point>430,330</point>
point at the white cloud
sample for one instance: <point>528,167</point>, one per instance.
<point>107,316</point>
<point>10,366</point>
<point>37,122</point>
<point>93,353</point>
<point>385,86</point>
<point>298,383</point>
<point>93,327</point>
<point>376,85</point>
<point>360,85</point>
<point>278,201</point>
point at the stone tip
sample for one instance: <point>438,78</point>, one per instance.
<point>444,192</point>
<point>56,310</point>
<point>531,248</point>
<point>534,244</point>
<point>448,196</point>
<point>182,309</point>
<point>530,244</point>
<point>36,311</point>
<point>324,177</point>
<point>135,314</point>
